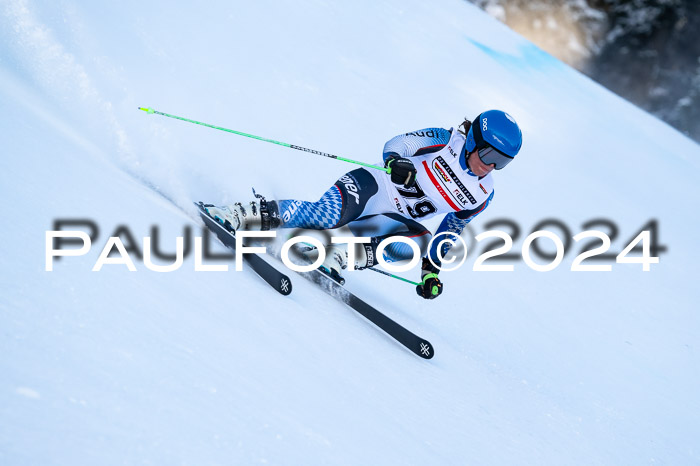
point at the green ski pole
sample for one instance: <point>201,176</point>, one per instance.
<point>434,291</point>
<point>150,111</point>
<point>393,276</point>
<point>311,247</point>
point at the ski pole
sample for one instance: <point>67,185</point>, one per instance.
<point>150,111</point>
<point>434,291</point>
<point>393,276</point>
<point>312,247</point>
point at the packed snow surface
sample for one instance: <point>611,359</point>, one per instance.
<point>120,367</point>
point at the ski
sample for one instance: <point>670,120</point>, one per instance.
<point>283,284</point>
<point>398,332</point>
<point>267,272</point>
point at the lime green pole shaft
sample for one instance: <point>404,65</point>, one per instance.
<point>394,276</point>
<point>434,291</point>
<point>150,111</point>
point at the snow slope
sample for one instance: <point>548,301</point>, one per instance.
<point>190,367</point>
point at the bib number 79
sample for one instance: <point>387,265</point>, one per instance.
<point>422,207</point>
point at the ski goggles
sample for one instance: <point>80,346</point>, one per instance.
<point>490,155</point>
<point>487,153</point>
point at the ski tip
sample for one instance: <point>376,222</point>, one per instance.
<point>425,350</point>
<point>148,110</point>
<point>285,287</point>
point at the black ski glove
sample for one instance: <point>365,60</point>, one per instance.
<point>430,286</point>
<point>401,170</point>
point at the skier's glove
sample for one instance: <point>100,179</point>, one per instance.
<point>401,170</point>
<point>430,286</point>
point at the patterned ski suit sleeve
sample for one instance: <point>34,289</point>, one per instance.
<point>417,143</point>
<point>454,222</point>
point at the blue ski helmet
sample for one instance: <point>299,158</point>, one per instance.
<point>497,137</point>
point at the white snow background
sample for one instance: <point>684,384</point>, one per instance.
<point>119,367</point>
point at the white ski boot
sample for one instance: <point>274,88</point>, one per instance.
<point>337,260</point>
<point>255,215</point>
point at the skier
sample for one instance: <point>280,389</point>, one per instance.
<point>431,171</point>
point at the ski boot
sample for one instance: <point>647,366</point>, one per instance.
<point>337,260</point>
<point>258,214</point>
